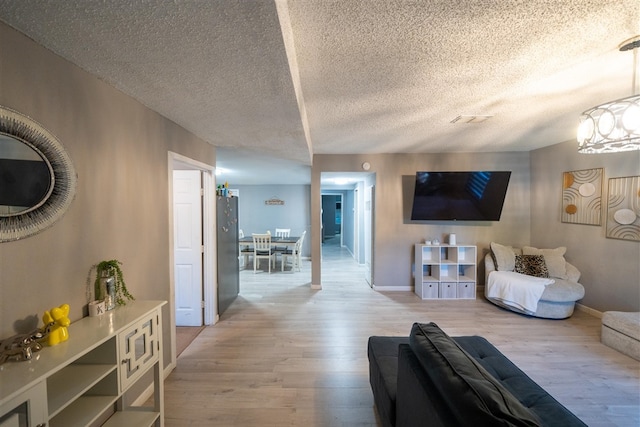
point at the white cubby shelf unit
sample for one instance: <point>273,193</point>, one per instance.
<point>445,271</point>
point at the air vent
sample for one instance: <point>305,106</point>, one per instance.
<point>477,118</point>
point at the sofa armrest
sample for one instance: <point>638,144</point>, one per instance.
<point>417,400</point>
<point>573,274</point>
<point>489,266</point>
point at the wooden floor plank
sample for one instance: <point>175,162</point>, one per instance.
<point>286,355</point>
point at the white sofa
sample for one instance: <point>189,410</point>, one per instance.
<point>558,299</point>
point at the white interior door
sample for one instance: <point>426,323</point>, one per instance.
<point>187,214</point>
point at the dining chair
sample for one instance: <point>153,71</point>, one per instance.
<point>246,250</point>
<point>294,254</point>
<point>262,250</point>
<point>281,233</point>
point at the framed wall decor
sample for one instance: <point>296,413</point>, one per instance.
<point>623,208</point>
<point>582,197</point>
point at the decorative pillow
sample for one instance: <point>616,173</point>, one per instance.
<point>504,257</point>
<point>469,390</point>
<point>531,265</point>
<point>554,258</point>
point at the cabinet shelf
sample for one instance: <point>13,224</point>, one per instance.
<point>133,418</point>
<point>72,381</point>
<point>82,382</point>
<point>82,411</point>
<point>445,271</point>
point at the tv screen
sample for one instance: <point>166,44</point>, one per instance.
<point>459,196</point>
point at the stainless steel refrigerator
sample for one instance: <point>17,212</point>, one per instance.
<point>227,244</point>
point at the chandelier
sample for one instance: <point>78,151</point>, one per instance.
<point>614,126</point>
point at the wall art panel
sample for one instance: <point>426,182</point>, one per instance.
<point>623,208</point>
<point>582,197</point>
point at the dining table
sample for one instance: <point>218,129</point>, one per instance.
<point>247,241</point>
<point>275,241</point>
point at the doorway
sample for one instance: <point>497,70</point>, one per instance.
<point>347,223</point>
<point>208,296</point>
<point>332,218</point>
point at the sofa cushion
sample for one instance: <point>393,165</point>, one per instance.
<point>504,258</point>
<point>531,265</point>
<point>463,383</point>
<point>529,393</point>
<point>554,259</point>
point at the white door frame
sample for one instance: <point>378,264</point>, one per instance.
<point>368,229</point>
<point>176,162</point>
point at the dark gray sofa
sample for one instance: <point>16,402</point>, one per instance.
<point>431,379</point>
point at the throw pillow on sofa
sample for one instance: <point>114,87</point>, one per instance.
<point>504,258</point>
<point>554,258</point>
<point>469,390</point>
<point>531,265</point>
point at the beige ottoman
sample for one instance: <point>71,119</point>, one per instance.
<point>621,331</point>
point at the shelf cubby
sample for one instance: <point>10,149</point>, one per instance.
<point>452,268</point>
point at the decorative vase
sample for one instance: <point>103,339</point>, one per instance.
<point>107,290</point>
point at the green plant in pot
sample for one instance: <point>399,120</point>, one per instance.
<point>110,285</point>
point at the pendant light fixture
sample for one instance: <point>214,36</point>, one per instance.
<point>614,126</point>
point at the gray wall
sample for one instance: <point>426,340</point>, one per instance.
<point>395,234</point>
<point>531,216</point>
<point>610,268</point>
<point>119,149</point>
<point>254,216</point>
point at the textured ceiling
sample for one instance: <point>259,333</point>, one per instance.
<point>284,80</point>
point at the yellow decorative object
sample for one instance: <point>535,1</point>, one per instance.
<point>56,321</point>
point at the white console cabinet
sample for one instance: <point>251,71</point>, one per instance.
<point>445,271</point>
<point>89,379</point>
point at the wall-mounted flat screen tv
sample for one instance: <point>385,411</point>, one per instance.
<point>459,196</point>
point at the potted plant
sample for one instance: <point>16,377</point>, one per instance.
<point>109,284</point>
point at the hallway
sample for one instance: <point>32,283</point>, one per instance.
<point>338,265</point>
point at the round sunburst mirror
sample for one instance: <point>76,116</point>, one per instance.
<point>37,177</point>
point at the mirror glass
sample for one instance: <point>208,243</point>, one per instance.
<point>37,178</point>
<point>25,177</point>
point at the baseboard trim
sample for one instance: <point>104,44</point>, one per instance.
<point>593,312</point>
<point>393,288</point>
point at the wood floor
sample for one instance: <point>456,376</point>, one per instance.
<point>286,355</point>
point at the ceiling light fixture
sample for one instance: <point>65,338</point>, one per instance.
<point>615,125</point>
